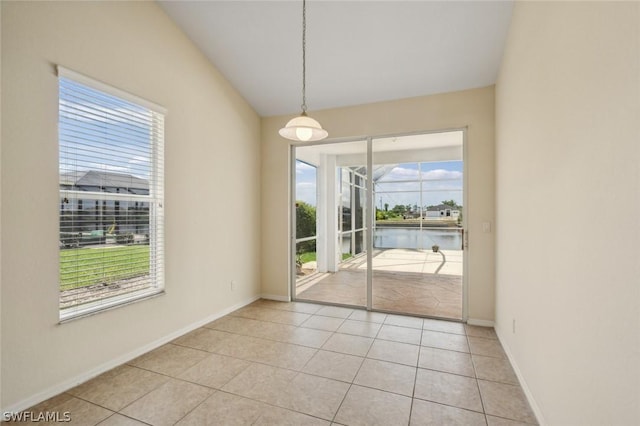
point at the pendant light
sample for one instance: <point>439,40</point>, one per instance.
<point>303,128</point>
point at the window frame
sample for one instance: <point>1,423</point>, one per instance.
<point>155,199</point>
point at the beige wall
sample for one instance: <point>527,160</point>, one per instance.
<point>472,108</point>
<point>568,203</point>
<point>212,191</point>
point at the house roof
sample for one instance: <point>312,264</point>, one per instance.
<point>440,207</point>
<point>102,179</point>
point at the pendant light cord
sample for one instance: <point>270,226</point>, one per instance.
<point>304,57</point>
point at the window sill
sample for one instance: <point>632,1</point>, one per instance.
<point>107,305</point>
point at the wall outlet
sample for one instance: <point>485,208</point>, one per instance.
<point>513,326</point>
<point>233,285</point>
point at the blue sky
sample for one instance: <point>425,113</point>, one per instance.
<point>99,131</point>
<point>442,180</point>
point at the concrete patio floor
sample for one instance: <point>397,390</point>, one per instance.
<point>404,280</point>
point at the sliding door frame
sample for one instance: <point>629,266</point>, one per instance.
<point>369,202</point>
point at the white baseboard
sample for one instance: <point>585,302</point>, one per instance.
<point>480,323</point>
<point>88,375</point>
<point>523,383</point>
<point>276,297</point>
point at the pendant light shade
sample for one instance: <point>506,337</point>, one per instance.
<point>303,128</point>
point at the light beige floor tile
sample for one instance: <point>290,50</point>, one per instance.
<point>402,353</point>
<point>446,361</point>
<point>497,421</point>
<point>333,365</point>
<point>272,330</point>
<point>169,359</point>
<point>359,328</point>
<point>449,389</point>
<point>312,395</point>
<point>305,308</point>
<point>81,413</point>
<point>386,376</point>
<point>204,339</point>
<point>362,315</point>
<point>452,342</point>
<point>335,311</point>
<point>237,325</point>
<point>253,312</point>
<point>259,382</point>
<point>507,401</point>
<point>117,391</point>
<point>120,420</point>
<point>273,315</point>
<point>215,370</point>
<point>348,344</point>
<point>443,326</point>
<point>486,347</point>
<point>371,407</point>
<point>169,403</point>
<point>425,413</point>
<point>494,369</point>
<point>323,323</point>
<point>245,347</point>
<point>403,321</point>
<point>306,337</point>
<point>224,409</point>
<point>477,331</point>
<point>274,416</point>
<point>290,317</point>
<point>51,403</point>
<point>284,355</point>
<point>400,334</point>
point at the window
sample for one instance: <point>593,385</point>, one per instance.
<point>111,161</point>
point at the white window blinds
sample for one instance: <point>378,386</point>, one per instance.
<point>111,162</point>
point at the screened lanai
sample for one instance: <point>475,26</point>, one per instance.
<point>390,239</point>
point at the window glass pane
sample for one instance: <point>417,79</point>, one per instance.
<point>345,198</point>
<point>359,200</point>
<point>345,246</point>
<point>359,242</point>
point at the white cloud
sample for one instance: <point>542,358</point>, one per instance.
<point>441,174</point>
<point>302,168</point>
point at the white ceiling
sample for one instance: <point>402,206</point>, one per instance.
<point>357,51</point>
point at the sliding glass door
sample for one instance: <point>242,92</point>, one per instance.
<point>417,233</point>
<point>330,228</point>
<point>379,223</point>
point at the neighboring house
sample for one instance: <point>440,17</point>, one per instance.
<point>441,211</point>
<point>99,181</point>
<point>97,211</point>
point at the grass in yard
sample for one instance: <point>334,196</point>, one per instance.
<point>88,266</point>
<point>311,257</point>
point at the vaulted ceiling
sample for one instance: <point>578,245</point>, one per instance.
<point>357,51</point>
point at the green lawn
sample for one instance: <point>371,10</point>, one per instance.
<point>311,256</point>
<point>88,266</point>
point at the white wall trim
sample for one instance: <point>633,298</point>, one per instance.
<point>480,322</point>
<point>81,378</point>
<point>523,383</point>
<point>276,297</point>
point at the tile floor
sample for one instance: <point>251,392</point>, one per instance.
<point>404,280</point>
<point>274,363</point>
